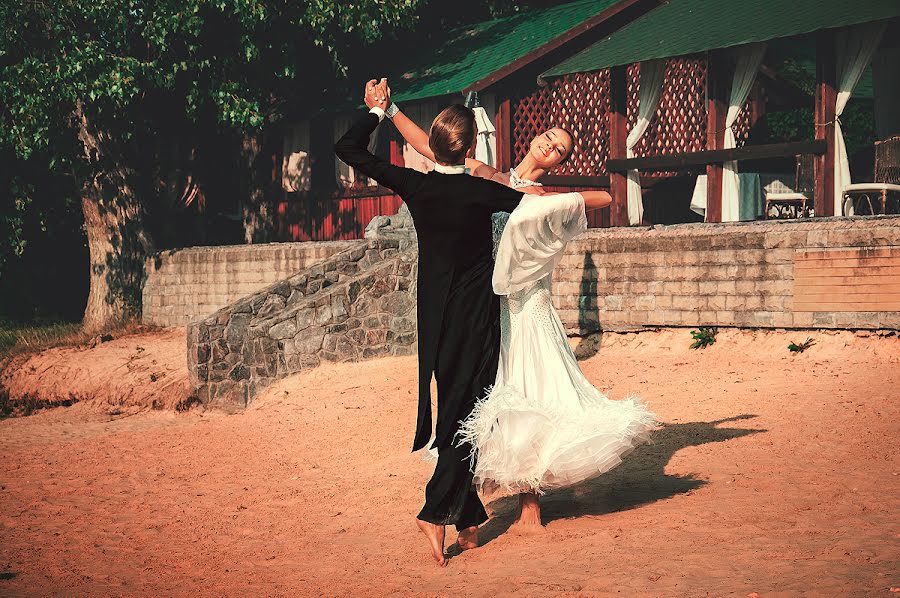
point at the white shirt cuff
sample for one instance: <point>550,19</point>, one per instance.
<point>377,112</point>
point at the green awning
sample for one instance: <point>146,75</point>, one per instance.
<point>684,27</point>
<point>468,54</point>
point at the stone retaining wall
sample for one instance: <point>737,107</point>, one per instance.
<point>360,302</point>
<point>185,284</point>
<point>357,304</point>
<point>823,273</point>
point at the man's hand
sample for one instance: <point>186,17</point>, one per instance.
<point>377,94</point>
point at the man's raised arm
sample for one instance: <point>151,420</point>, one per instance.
<point>353,150</point>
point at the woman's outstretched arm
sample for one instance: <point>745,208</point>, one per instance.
<point>413,135</point>
<point>594,200</point>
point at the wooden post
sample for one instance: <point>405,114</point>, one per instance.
<point>826,101</point>
<point>618,135</point>
<point>503,124</point>
<point>716,108</point>
<point>397,153</point>
<point>389,204</point>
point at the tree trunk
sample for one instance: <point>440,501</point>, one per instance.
<point>117,239</point>
<point>118,246</point>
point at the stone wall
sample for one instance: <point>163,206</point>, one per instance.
<point>357,304</point>
<point>185,284</point>
<point>823,273</point>
<point>360,302</point>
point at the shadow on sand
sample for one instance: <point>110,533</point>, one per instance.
<point>639,480</point>
<point>588,317</point>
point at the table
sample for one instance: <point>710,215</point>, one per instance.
<point>751,200</point>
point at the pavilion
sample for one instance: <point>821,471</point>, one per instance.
<point>654,93</point>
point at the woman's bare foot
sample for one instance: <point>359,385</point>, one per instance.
<point>468,538</point>
<point>529,512</point>
<point>435,535</point>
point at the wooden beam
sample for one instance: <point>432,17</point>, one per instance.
<point>618,134</point>
<point>503,126</point>
<point>600,181</point>
<point>695,159</point>
<point>717,83</point>
<point>566,180</point>
<point>826,100</point>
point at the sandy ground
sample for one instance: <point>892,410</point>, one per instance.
<point>134,372</point>
<point>775,474</point>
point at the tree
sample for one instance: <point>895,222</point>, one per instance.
<point>86,84</point>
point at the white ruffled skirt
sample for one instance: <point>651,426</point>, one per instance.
<point>543,425</point>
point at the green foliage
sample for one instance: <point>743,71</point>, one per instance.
<point>795,348</point>
<point>135,71</point>
<point>797,124</point>
<point>229,56</point>
<point>704,337</point>
<point>132,69</point>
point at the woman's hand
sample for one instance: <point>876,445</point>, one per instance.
<point>377,94</point>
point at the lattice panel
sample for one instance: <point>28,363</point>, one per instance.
<point>578,103</point>
<point>743,123</point>
<point>679,124</point>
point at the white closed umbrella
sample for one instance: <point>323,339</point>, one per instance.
<point>486,140</point>
<point>486,148</point>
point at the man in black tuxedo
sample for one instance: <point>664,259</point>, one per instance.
<point>458,312</point>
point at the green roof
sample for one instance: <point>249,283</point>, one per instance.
<point>690,26</point>
<point>468,54</point>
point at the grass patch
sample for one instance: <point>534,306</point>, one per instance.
<point>795,348</point>
<point>17,338</point>
<point>704,337</point>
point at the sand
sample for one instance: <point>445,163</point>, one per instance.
<point>134,372</point>
<point>774,473</point>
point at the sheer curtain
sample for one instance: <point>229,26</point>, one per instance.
<point>747,63</point>
<point>854,47</point>
<point>652,74</point>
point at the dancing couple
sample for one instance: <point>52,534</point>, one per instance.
<point>515,414</point>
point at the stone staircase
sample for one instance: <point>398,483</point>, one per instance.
<point>357,304</point>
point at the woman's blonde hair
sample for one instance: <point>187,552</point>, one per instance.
<point>452,134</point>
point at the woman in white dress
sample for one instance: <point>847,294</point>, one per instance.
<point>542,425</point>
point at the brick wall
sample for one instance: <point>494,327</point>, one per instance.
<point>190,283</point>
<point>824,273</point>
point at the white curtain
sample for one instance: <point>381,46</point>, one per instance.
<point>345,175</point>
<point>295,174</point>
<point>652,74</point>
<point>854,47</point>
<point>747,63</point>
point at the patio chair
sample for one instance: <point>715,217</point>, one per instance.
<point>796,202</point>
<point>884,193</point>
